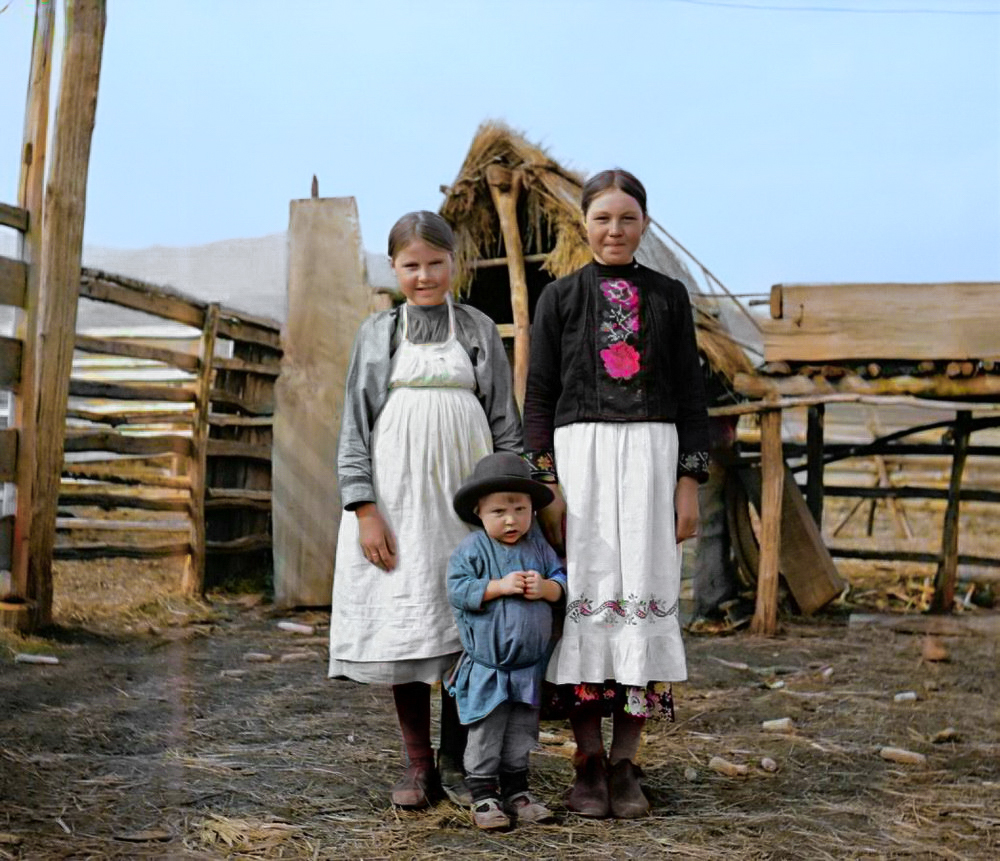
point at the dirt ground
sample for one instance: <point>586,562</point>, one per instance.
<point>157,737</point>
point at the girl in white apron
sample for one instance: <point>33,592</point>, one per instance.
<point>420,412</point>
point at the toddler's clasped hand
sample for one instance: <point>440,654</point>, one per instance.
<point>525,583</point>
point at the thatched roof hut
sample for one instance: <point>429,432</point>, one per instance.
<point>516,216</point>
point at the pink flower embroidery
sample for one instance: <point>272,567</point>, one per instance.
<point>621,360</point>
<point>622,293</point>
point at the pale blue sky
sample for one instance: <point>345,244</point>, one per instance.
<point>780,140</point>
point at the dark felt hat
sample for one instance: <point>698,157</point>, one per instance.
<point>497,472</point>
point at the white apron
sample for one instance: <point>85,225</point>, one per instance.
<point>398,626</point>
<point>623,562</point>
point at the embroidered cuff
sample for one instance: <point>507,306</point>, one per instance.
<point>693,464</point>
<point>543,465</point>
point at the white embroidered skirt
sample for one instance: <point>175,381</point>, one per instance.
<point>623,562</point>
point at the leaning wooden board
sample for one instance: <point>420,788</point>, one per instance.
<point>831,322</point>
<point>804,562</point>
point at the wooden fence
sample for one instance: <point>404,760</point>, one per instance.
<point>168,440</point>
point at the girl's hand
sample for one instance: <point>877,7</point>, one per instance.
<point>513,583</point>
<point>375,537</point>
<point>686,508</point>
<point>552,519</point>
<point>532,585</point>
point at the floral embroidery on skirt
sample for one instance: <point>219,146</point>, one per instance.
<point>653,702</point>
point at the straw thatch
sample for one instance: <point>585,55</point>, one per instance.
<point>551,224</point>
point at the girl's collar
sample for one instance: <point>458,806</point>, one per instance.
<point>624,270</point>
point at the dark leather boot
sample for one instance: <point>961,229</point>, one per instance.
<point>627,798</point>
<point>589,794</point>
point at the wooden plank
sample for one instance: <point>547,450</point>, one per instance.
<point>233,448</point>
<point>246,404</point>
<point>135,350</point>
<point>83,524</point>
<point>765,618</point>
<point>6,542</point>
<point>140,296</point>
<point>121,444</point>
<point>9,444</point>
<point>193,582</point>
<point>238,498</point>
<point>85,495</point>
<point>235,330</point>
<point>327,301</point>
<point>947,573</point>
<point>938,386</point>
<point>30,194</point>
<point>133,417</point>
<point>13,282</point>
<point>910,492</point>
<point>66,550</point>
<point>130,392</point>
<point>804,562</point>
<point>814,473</point>
<point>233,420</point>
<point>10,363</point>
<point>244,544</point>
<point>111,476</point>
<point>62,246</point>
<point>14,216</point>
<point>831,322</point>
<point>267,369</point>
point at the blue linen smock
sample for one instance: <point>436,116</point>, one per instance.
<point>507,640</point>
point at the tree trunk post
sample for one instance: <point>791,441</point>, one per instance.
<point>765,618</point>
<point>62,248</point>
<point>505,186</point>
<point>947,573</point>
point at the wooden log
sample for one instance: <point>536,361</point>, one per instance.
<point>946,577</point>
<point>62,245</point>
<point>814,454</point>
<point>14,216</point>
<point>246,404</point>
<point>237,494</point>
<point>234,448</point>
<point>9,460</point>
<point>10,363</point>
<point>193,581</point>
<point>116,418</point>
<point>829,322</point>
<point>13,282</point>
<point>765,620</point>
<point>85,495</point>
<point>505,261</point>
<point>224,420</point>
<point>236,329</point>
<point>88,440</point>
<point>98,550</point>
<point>84,524</point>
<point>268,369</point>
<point>111,476</point>
<point>328,299</point>
<point>243,544</point>
<point>933,386</point>
<point>30,195</point>
<point>130,392</point>
<point>505,187</point>
<point>139,296</point>
<point>134,350</point>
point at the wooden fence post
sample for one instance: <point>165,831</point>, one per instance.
<point>772,465</point>
<point>814,457</point>
<point>505,186</point>
<point>62,247</point>
<point>194,573</point>
<point>947,573</point>
<point>30,194</point>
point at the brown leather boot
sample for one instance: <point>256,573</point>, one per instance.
<point>419,787</point>
<point>627,798</point>
<point>589,794</point>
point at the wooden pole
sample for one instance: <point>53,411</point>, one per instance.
<point>814,458</point>
<point>30,194</point>
<point>505,186</point>
<point>194,573</point>
<point>765,617</point>
<point>947,573</point>
<point>62,247</point>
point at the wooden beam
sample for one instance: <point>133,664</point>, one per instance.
<point>939,386</point>
<point>66,550</point>
<point>133,350</point>
<point>505,186</point>
<point>831,322</point>
<point>14,216</point>
<point>233,448</point>
<point>122,444</point>
<point>62,246</point>
<point>133,417</point>
<point>9,445</point>
<point>111,476</point>
<point>814,453</point>
<point>947,573</point>
<point>84,524</point>
<point>10,363</point>
<point>765,619</point>
<point>86,495</point>
<point>221,396</point>
<point>236,330</point>
<point>30,197</point>
<point>244,544</point>
<point>13,282</point>
<point>233,420</point>
<point>193,581</point>
<point>505,261</point>
<point>264,368</point>
<point>129,392</point>
<point>139,296</point>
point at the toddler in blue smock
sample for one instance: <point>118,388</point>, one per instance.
<point>500,583</point>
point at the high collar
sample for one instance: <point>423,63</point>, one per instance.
<point>625,270</point>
